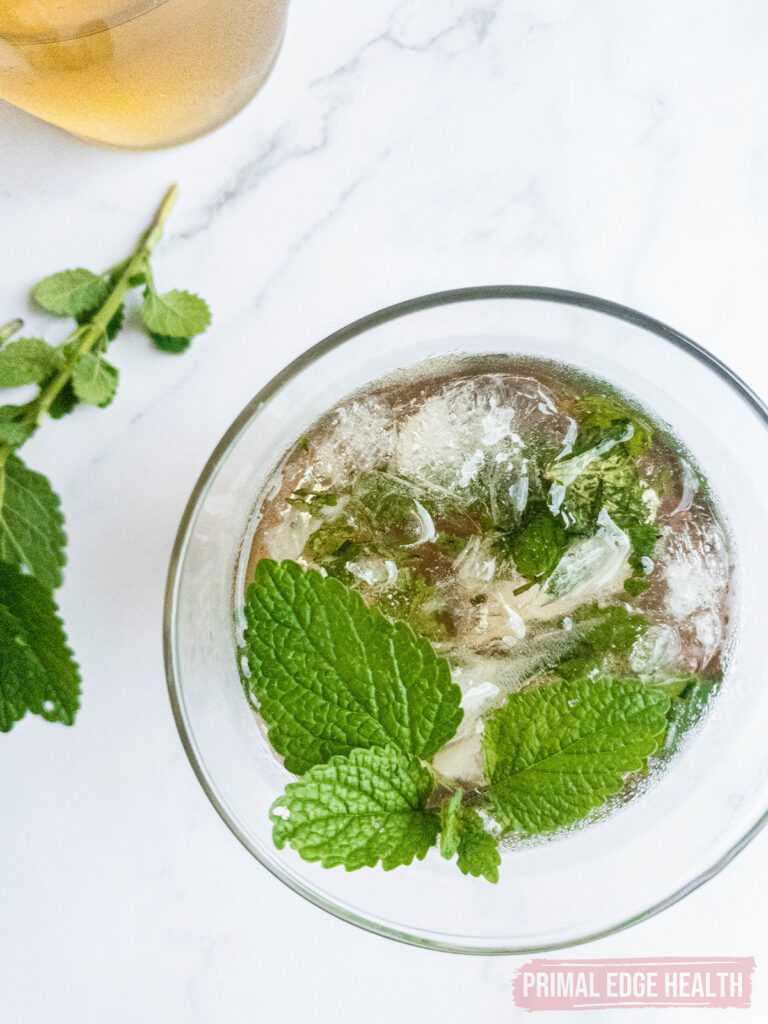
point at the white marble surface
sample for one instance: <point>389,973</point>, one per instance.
<point>401,147</point>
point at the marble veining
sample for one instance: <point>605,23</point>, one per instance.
<point>401,147</point>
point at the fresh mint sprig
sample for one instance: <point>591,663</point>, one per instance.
<point>37,670</point>
<point>358,705</point>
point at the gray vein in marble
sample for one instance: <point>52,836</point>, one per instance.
<point>276,151</point>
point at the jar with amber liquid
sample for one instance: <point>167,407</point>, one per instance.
<point>138,74</point>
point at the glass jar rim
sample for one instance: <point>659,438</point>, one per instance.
<point>304,361</point>
<point>80,28</point>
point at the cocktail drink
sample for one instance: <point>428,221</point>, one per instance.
<point>137,73</point>
<point>491,596</point>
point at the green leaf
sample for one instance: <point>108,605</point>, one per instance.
<point>71,292</point>
<point>605,635</point>
<point>360,809</point>
<point>415,601</point>
<point>333,534</point>
<point>26,361</point>
<point>22,677</point>
<point>37,671</point>
<point>138,277</point>
<point>538,545</point>
<point>13,430</point>
<point>175,314</point>
<point>604,412</point>
<point>554,753</point>
<point>690,698</point>
<point>64,402</point>
<point>600,474</point>
<point>114,326</point>
<point>636,587</point>
<point>167,343</point>
<point>462,832</point>
<point>643,537</point>
<point>329,674</point>
<point>94,380</point>
<point>393,502</point>
<point>31,524</point>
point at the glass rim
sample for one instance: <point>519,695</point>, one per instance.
<point>82,27</point>
<point>421,938</point>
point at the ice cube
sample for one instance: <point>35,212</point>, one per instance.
<point>473,438</point>
<point>360,438</point>
<point>695,563</point>
<point>657,649</point>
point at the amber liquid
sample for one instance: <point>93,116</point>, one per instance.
<point>139,74</point>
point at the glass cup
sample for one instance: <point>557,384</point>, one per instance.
<point>137,74</point>
<point>705,806</point>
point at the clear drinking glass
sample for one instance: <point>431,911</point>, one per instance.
<point>137,74</point>
<point>650,852</point>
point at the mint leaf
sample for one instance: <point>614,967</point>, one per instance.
<point>94,380</point>
<point>538,545</point>
<point>635,586</point>
<point>602,476</point>
<point>114,326</point>
<point>415,601</point>
<point>31,523</point>
<point>64,402</point>
<point>176,314</point>
<point>360,809</point>
<point>329,674</point>
<point>643,537</point>
<point>604,412</point>
<point>71,292</point>
<point>331,536</point>
<point>26,361</point>
<point>166,343</point>
<point>393,502</point>
<point>554,753</point>
<point>689,702</point>
<point>37,671</point>
<point>139,276</point>
<point>604,637</point>
<point>14,431</point>
<point>22,677</point>
<point>462,832</point>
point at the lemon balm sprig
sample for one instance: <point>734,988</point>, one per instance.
<point>37,671</point>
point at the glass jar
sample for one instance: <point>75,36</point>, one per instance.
<point>137,75</point>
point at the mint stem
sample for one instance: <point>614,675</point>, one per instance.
<point>91,332</point>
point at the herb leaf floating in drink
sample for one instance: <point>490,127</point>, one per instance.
<point>554,753</point>
<point>37,670</point>
<point>329,674</point>
<point>463,832</point>
<point>488,598</point>
<point>359,809</point>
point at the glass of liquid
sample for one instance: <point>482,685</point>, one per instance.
<point>454,394</point>
<point>137,74</point>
